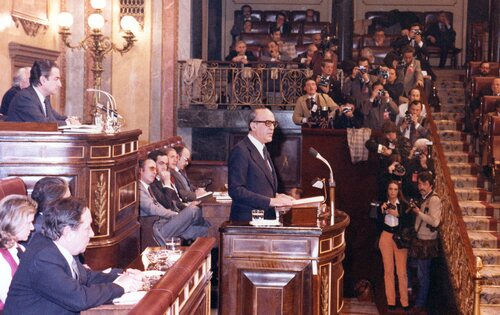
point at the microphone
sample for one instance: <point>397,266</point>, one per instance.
<point>112,111</point>
<point>318,156</point>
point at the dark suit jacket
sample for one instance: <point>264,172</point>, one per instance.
<point>167,197</point>
<point>185,189</point>
<point>251,183</point>
<point>43,283</point>
<point>26,107</point>
<point>7,98</point>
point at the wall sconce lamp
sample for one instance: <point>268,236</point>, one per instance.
<point>95,42</point>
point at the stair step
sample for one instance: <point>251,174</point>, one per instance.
<point>456,146</point>
<point>491,275</point>
<point>463,168</point>
<point>448,124</point>
<point>481,223</point>
<point>479,208</point>
<point>489,309</point>
<point>454,135</point>
<point>484,239</point>
<point>453,105</point>
<point>448,116</point>
<point>459,157</point>
<point>490,294</point>
<point>488,256</point>
<point>467,181</point>
<point>480,194</point>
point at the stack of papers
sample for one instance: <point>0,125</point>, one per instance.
<point>81,129</point>
<point>221,196</point>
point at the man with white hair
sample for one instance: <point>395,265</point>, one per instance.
<point>21,80</point>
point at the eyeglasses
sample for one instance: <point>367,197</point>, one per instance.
<point>268,123</point>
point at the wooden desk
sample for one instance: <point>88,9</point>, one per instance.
<point>216,213</point>
<point>99,168</point>
<point>184,289</point>
<point>282,270</point>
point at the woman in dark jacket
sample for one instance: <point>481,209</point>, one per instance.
<point>392,217</point>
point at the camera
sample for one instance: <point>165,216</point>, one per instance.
<point>418,153</point>
<point>391,206</point>
<point>384,74</point>
<point>381,92</point>
<point>323,81</point>
<point>346,110</point>
<point>414,204</point>
<point>399,170</point>
<point>401,64</point>
<point>408,117</point>
<point>417,32</point>
<point>362,69</point>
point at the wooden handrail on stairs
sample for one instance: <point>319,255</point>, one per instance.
<point>455,241</point>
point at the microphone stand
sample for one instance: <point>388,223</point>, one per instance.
<point>111,125</point>
<point>331,184</point>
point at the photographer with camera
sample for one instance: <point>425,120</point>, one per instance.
<point>409,71</point>
<point>392,150</point>
<point>347,116</point>
<point>426,245</point>
<point>379,108</point>
<point>414,126</point>
<point>419,160</point>
<point>403,108</point>
<point>393,217</point>
<point>314,109</point>
<point>359,84</point>
<point>327,81</point>
<point>389,79</point>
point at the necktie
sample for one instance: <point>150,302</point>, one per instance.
<point>45,106</point>
<point>74,268</point>
<point>150,191</point>
<point>267,158</point>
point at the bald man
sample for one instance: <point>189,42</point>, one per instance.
<point>21,80</point>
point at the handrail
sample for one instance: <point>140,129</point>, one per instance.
<point>216,84</point>
<point>455,241</point>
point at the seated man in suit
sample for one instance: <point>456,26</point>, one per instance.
<point>33,103</point>
<point>187,191</point>
<point>239,22</point>
<point>443,35</point>
<point>252,178</point>
<point>50,278</point>
<point>21,80</point>
<point>187,224</point>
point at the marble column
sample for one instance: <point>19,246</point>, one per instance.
<point>343,13</point>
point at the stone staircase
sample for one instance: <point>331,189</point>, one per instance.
<point>481,214</point>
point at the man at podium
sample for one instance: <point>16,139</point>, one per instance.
<point>252,178</point>
<point>33,103</point>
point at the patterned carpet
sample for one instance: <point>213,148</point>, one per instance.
<point>481,214</point>
<point>355,307</point>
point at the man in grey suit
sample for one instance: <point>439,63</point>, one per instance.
<point>410,71</point>
<point>33,103</point>
<point>187,191</point>
<point>188,223</point>
<point>252,178</point>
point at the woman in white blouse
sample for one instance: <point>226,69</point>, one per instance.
<point>16,223</point>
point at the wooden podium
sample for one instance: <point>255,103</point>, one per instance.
<point>282,270</point>
<point>99,168</point>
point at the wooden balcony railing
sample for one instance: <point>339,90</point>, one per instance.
<point>455,241</point>
<point>219,84</point>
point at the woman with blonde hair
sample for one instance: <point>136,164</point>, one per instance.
<point>16,223</point>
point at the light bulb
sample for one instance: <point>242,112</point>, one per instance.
<point>96,21</point>
<point>129,23</point>
<point>65,19</point>
<point>98,4</point>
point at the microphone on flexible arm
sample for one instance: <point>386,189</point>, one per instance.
<point>331,183</point>
<point>112,111</point>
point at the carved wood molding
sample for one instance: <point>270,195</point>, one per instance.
<point>31,28</point>
<point>24,55</point>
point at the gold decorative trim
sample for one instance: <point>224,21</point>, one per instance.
<point>97,202</point>
<point>325,289</point>
<point>341,235</point>
<point>92,156</point>
<point>100,195</point>
<point>330,244</point>
<point>135,195</point>
<point>133,145</point>
<point>340,298</point>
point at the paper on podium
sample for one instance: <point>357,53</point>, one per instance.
<point>308,201</point>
